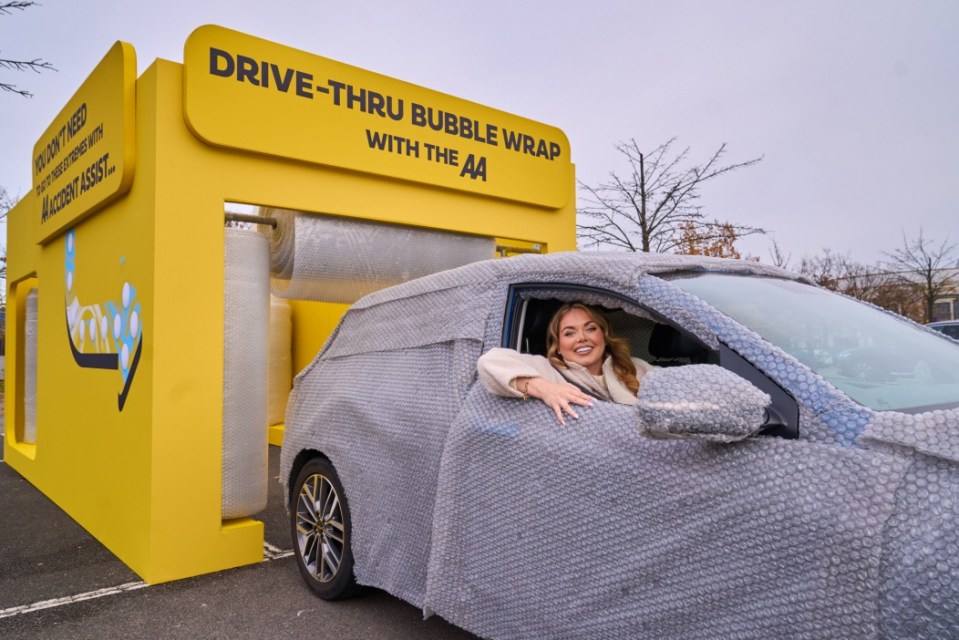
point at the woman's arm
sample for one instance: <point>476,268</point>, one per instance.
<point>511,374</point>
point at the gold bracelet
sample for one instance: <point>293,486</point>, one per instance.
<point>526,390</point>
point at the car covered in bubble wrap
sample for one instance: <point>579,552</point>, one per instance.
<point>756,489</point>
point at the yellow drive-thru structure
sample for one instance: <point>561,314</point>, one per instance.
<point>126,339</point>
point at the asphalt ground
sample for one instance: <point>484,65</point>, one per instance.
<point>57,581</point>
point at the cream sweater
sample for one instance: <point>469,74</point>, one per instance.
<point>498,367</point>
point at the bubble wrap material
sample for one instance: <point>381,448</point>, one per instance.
<point>245,326</point>
<point>390,464</point>
<point>920,565</point>
<point>30,355</point>
<point>486,512</point>
<point>592,531</point>
<point>725,408</point>
<point>333,259</point>
<point>281,359</point>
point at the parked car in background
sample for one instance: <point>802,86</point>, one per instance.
<point>758,489</point>
<point>880,363</point>
<point>948,327</point>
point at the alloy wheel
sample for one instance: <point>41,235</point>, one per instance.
<point>319,527</point>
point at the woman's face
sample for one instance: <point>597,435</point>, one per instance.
<point>581,340</point>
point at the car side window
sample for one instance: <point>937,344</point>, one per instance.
<point>659,343</point>
<point>652,338</point>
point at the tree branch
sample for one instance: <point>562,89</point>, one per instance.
<point>36,65</point>
<point>5,7</point>
<point>650,204</point>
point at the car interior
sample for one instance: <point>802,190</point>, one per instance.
<point>655,342</point>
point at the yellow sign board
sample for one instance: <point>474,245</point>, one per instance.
<point>247,93</point>
<point>85,157</point>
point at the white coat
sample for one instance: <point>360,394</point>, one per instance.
<point>498,367</point>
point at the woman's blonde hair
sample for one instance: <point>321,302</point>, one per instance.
<point>616,348</point>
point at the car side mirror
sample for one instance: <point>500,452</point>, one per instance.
<point>699,402</point>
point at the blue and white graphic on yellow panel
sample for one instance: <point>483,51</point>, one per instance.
<point>103,339</point>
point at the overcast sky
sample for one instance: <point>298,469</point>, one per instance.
<point>853,103</point>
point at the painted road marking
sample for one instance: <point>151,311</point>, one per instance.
<point>269,553</point>
<point>59,602</point>
<point>275,553</point>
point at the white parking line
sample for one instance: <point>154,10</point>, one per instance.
<point>269,553</point>
<point>59,602</point>
<point>275,553</point>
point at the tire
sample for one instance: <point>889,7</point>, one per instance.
<point>321,529</point>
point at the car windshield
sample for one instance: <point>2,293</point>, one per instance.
<point>877,359</point>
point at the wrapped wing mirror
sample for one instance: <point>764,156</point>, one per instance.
<point>699,402</point>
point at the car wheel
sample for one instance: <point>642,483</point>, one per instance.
<point>320,524</point>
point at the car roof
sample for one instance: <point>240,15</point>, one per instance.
<point>455,304</point>
<point>614,268</point>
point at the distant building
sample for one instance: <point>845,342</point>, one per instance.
<point>946,306</point>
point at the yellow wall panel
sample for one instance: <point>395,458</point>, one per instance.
<point>130,366</point>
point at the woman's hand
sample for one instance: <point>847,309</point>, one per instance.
<point>559,396</point>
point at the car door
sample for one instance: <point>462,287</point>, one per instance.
<point>593,531</point>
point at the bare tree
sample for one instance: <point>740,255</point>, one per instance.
<point>36,65</point>
<point>908,284</point>
<point>827,269</point>
<point>779,256</point>
<point>875,285</point>
<point>928,267</point>
<point>646,208</point>
<point>868,283</point>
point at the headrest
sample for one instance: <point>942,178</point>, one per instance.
<point>667,342</point>
<point>537,322</point>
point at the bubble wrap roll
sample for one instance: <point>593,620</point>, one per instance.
<point>245,325</point>
<point>281,359</point>
<point>30,369</point>
<point>340,260</point>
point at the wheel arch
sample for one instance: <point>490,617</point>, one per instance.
<point>303,457</point>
